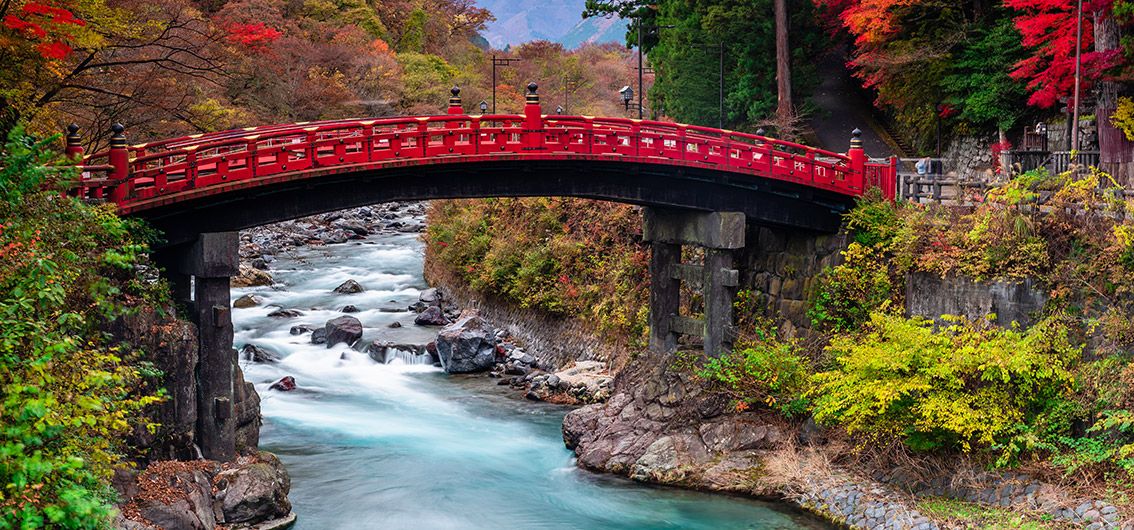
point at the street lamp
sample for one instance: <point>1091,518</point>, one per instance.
<point>483,107</point>
<point>627,95</point>
<point>559,109</point>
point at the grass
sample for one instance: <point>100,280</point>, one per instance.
<point>971,515</point>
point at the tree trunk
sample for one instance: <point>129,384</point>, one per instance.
<point>1116,153</point>
<point>783,65</point>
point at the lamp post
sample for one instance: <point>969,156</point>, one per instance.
<point>483,106</point>
<point>940,110</point>
<point>559,109</point>
<point>641,70</point>
<point>627,95</point>
<point>502,61</point>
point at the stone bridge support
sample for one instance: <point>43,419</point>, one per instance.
<point>200,273</point>
<point>720,234</point>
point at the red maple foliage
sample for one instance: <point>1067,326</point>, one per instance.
<point>256,36</point>
<point>46,25</point>
<point>1049,29</point>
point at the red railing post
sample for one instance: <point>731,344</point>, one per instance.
<point>857,157</point>
<point>455,108</point>
<point>74,152</point>
<point>891,188</point>
<point>532,137</point>
<point>119,158</point>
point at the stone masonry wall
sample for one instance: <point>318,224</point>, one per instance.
<point>929,295</point>
<point>780,265</point>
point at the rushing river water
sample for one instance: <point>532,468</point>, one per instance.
<point>399,446</point>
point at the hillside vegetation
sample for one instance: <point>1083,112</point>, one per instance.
<point>69,396</point>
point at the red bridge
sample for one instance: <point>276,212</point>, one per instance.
<point>701,187</point>
<point>205,182</point>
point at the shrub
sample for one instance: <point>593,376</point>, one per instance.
<point>960,387</point>
<point>68,397</point>
<point>849,292</point>
<point>763,371</point>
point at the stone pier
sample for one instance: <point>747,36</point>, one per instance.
<point>720,234</point>
<point>199,273</point>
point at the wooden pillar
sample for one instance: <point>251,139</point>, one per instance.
<point>665,295</point>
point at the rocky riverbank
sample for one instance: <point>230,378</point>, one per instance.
<point>661,426</point>
<point>250,493</point>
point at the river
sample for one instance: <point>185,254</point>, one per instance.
<point>392,446</point>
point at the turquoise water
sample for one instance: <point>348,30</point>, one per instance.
<point>399,446</point>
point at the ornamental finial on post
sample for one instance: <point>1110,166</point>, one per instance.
<point>455,101</point>
<point>532,97</point>
<point>856,139</point>
<point>74,146</point>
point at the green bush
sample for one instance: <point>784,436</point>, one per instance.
<point>67,396</point>
<point>849,292</point>
<point>960,387</point>
<point>762,370</point>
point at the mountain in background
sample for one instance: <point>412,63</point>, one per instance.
<point>519,21</point>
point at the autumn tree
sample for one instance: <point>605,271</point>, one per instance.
<point>931,61</point>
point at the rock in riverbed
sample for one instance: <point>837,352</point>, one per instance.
<point>251,277</point>
<point>285,384</point>
<point>467,345</point>
<point>432,316</point>
<point>259,354</point>
<point>343,329</point>
<point>254,492</point>
<point>349,287</point>
<point>246,301</point>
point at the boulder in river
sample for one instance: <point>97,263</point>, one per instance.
<point>319,336</point>
<point>467,345</point>
<point>251,277</point>
<point>246,301</point>
<point>349,287</point>
<point>432,316</point>
<point>255,492</point>
<point>343,329</point>
<point>430,296</point>
<point>301,329</point>
<point>350,309</point>
<point>259,354</point>
<point>285,384</point>
<point>286,313</point>
<point>395,324</point>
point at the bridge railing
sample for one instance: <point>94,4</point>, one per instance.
<point>131,176</point>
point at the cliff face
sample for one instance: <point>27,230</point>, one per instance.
<point>170,349</point>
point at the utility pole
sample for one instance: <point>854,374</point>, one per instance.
<point>640,73</point>
<point>1078,73</point>
<point>503,61</point>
